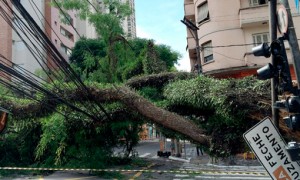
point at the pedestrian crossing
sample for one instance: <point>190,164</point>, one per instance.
<point>209,173</point>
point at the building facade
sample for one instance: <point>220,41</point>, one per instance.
<point>87,30</point>
<point>48,20</point>
<point>5,36</point>
<point>129,24</point>
<point>228,30</point>
<point>62,35</point>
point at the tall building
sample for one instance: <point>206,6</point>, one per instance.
<point>62,35</point>
<point>5,37</point>
<point>129,24</point>
<point>87,30</point>
<point>228,30</point>
<point>47,18</point>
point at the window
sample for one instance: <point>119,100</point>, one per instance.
<point>260,38</point>
<point>69,20</point>
<point>65,49</point>
<point>207,52</point>
<point>203,13</point>
<point>67,34</point>
<point>257,2</point>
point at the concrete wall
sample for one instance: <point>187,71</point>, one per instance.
<point>20,53</point>
<point>5,38</point>
<point>231,22</point>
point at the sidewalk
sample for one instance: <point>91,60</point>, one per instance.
<point>192,157</point>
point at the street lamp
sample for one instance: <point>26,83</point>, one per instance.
<point>193,29</point>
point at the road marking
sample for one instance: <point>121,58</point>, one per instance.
<point>181,175</point>
<point>231,178</point>
<point>141,172</point>
<point>144,155</point>
<point>88,177</point>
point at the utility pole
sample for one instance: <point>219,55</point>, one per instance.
<point>274,81</point>
<point>293,41</point>
<point>194,31</point>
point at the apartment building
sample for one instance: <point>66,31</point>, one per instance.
<point>128,24</point>
<point>228,30</point>
<point>62,35</point>
<point>47,18</point>
<point>5,37</point>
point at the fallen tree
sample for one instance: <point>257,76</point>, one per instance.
<point>203,109</point>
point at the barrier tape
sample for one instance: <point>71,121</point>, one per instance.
<point>138,170</point>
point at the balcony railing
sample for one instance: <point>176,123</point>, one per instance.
<point>253,16</point>
<point>189,9</point>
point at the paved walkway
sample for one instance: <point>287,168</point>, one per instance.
<point>192,157</point>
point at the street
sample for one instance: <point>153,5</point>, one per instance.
<point>189,166</point>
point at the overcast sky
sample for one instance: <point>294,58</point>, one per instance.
<point>160,20</point>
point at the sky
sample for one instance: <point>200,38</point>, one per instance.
<point>160,20</point>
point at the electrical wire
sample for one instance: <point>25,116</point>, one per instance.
<point>46,44</point>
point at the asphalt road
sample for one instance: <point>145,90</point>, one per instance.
<point>162,168</point>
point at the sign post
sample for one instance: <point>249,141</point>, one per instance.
<point>282,19</point>
<point>269,147</point>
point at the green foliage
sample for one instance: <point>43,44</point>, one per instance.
<point>18,142</point>
<point>53,139</point>
<point>132,69</point>
<point>107,24</point>
<point>81,6</point>
<point>151,93</point>
<point>120,61</point>
<point>167,55</point>
<point>202,93</point>
<point>86,54</point>
<point>205,101</point>
<point>163,52</point>
<point>152,63</point>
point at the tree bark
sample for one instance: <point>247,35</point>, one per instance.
<point>160,116</point>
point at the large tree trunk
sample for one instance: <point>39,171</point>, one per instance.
<point>158,115</point>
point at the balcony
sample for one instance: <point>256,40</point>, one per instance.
<point>191,43</point>
<point>189,11</point>
<point>254,16</point>
<point>191,47</point>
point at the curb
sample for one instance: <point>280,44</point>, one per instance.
<point>239,166</point>
<point>179,159</point>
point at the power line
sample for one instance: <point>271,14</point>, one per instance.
<point>41,39</point>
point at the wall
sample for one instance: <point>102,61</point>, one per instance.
<point>230,27</point>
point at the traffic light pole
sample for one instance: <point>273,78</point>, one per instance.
<point>198,52</point>
<point>194,31</point>
<point>274,81</point>
<point>293,41</point>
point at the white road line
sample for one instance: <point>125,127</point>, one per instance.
<point>144,155</point>
<point>230,177</point>
<point>155,157</point>
<point>181,175</point>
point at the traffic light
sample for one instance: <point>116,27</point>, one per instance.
<point>280,69</point>
<point>262,1</point>
<point>293,150</point>
<point>262,50</point>
<point>266,72</point>
<point>293,121</point>
<point>293,104</point>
